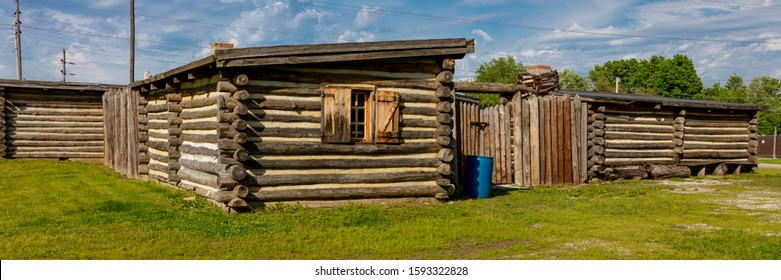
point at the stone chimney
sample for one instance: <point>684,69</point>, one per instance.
<point>220,46</point>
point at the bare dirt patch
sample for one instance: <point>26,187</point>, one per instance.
<point>754,200</point>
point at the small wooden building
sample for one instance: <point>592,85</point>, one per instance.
<point>634,136</point>
<point>51,120</point>
<point>319,124</point>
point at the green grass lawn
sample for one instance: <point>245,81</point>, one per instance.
<point>71,210</point>
<point>770,160</point>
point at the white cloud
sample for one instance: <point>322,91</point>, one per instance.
<point>366,17</point>
<point>483,34</point>
<point>360,36</point>
<point>773,45</point>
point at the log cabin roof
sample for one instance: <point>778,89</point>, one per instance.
<point>620,98</point>
<point>318,53</point>
<point>45,85</point>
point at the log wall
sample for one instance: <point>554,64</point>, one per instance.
<point>288,160</point>
<point>52,123</point>
<point>648,140</point>
<point>120,118</point>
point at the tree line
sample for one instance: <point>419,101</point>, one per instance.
<point>658,76</point>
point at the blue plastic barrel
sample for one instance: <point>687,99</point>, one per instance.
<point>478,176</point>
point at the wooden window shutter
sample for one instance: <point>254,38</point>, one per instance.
<point>387,117</point>
<point>336,115</point>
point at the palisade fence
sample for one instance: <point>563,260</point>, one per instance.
<point>532,140</point>
<point>120,111</point>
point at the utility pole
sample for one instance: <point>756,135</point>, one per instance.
<point>132,40</point>
<point>64,70</point>
<point>18,35</point>
<point>617,81</point>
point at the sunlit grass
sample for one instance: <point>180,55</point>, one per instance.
<point>70,210</point>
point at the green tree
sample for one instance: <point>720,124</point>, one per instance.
<point>658,75</point>
<point>570,80</point>
<point>766,90</point>
<point>503,70</point>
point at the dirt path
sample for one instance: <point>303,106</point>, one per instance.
<point>770,165</point>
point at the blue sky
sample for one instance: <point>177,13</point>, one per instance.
<point>721,36</point>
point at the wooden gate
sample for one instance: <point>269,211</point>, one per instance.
<point>486,132</point>
<point>534,140</point>
<point>120,118</point>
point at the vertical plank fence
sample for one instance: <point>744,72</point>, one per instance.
<point>533,140</point>
<point>120,111</point>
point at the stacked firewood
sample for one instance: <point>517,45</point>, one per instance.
<point>539,78</point>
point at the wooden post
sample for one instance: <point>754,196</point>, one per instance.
<point>517,140</point>
<point>534,140</point>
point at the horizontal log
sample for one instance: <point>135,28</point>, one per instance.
<point>270,194</point>
<point>237,203</point>
<point>715,145</point>
<point>477,87</point>
<point>201,138</point>
<point>445,77</point>
<point>240,80</point>
<point>596,160</point>
<point>55,143</point>
<point>290,132</point>
<point>54,130</point>
<point>156,134</point>
<point>442,119</point>
<point>598,141</point>
<point>284,118</point>
<point>638,136</point>
<point>444,107</point>
<point>339,163</point>
<point>716,138</point>
<point>596,151</point>
<point>174,131</point>
<point>42,112</point>
<point>156,108</point>
<point>158,145</point>
<point>175,141</point>
<point>203,102</point>
<point>665,144</point>
<point>443,92</point>
<point>631,172</point>
<point>669,171</point>
<point>715,123</point>
<point>322,148</point>
<point>174,107</point>
<point>187,149</point>
<point>54,137</point>
<point>225,86</point>
<point>639,154</point>
<point>199,114</point>
<point>200,125</point>
<point>304,92</point>
<point>715,154</point>
<point>444,130</point>
<point>283,105</point>
<point>11,154</point>
<point>15,123</point>
<point>162,116</point>
<point>444,169</point>
<point>310,178</point>
<point>15,118</point>
<point>618,120</point>
<point>241,191</point>
<point>173,97</point>
<point>238,154</point>
<point>640,128</point>
<point>638,161</point>
<point>445,155</point>
<point>199,177</point>
<point>53,149</point>
<point>444,141</point>
<point>720,131</point>
<point>424,111</point>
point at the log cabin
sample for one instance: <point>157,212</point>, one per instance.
<point>635,136</point>
<point>51,120</point>
<point>314,124</point>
